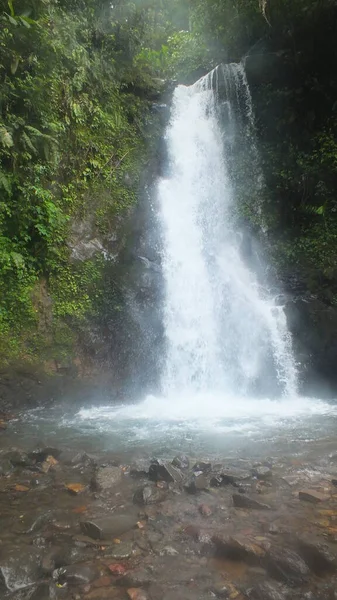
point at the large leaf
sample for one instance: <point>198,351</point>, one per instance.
<point>11,8</point>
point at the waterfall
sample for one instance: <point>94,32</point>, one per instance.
<point>224,333</point>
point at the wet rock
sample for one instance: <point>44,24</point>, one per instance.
<point>76,574</point>
<point>269,591</point>
<point>41,453</point>
<point>181,461</point>
<point>205,510</point>
<point>108,527</point>
<point>73,459</point>
<point>238,548</point>
<point>5,466</point>
<point>312,496</point>
<point>286,565</point>
<point>168,551</point>
<point>137,594</point>
<point>107,478</point>
<point>263,473</point>
<point>120,551</point>
<point>160,471</point>
<point>274,529</point>
<point>54,559</point>
<point>18,458</point>
<point>241,501</point>
<point>139,469</point>
<point>149,495</point>
<point>225,590</point>
<point>204,467</point>
<point>318,556</point>
<point>225,477</point>
<point>41,592</point>
<point>19,567</point>
<point>291,480</point>
<point>197,483</point>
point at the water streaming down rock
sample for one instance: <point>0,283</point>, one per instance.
<point>224,333</point>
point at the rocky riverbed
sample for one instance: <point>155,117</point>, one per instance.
<point>80,526</point>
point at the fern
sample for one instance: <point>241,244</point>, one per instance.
<point>5,183</point>
<point>6,138</point>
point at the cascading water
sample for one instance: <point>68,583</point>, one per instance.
<point>228,364</point>
<point>224,334</point>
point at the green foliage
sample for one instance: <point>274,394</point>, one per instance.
<point>74,139</point>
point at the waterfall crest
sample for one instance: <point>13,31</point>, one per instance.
<point>224,333</point>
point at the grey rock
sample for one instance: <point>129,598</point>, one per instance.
<point>199,482</point>
<point>42,452</point>
<point>19,567</point>
<point>181,461</point>
<point>76,574</point>
<point>54,559</point>
<point>160,471</point>
<point>318,556</point>
<point>18,458</point>
<point>5,466</point>
<point>108,527</point>
<point>286,565</point>
<point>139,469</point>
<point>263,473</point>
<point>241,501</point>
<point>107,478</point>
<point>148,495</point>
<point>204,467</point>
<point>223,477</point>
<point>120,551</point>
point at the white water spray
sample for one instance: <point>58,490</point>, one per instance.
<point>224,334</point>
<point>229,365</point>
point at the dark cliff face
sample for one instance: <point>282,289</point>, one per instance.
<point>293,82</point>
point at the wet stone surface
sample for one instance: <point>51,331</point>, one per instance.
<point>80,527</point>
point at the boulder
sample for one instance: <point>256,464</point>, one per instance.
<point>318,556</point>
<point>287,566</point>
<point>197,483</point>
<point>19,567</point>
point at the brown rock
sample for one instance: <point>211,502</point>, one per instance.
<point>136,594</point>
<point>205,510</point>
<point>312,496</point>
<point>241,501</point>
<point>238,548</point>
<point>75,488</point>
